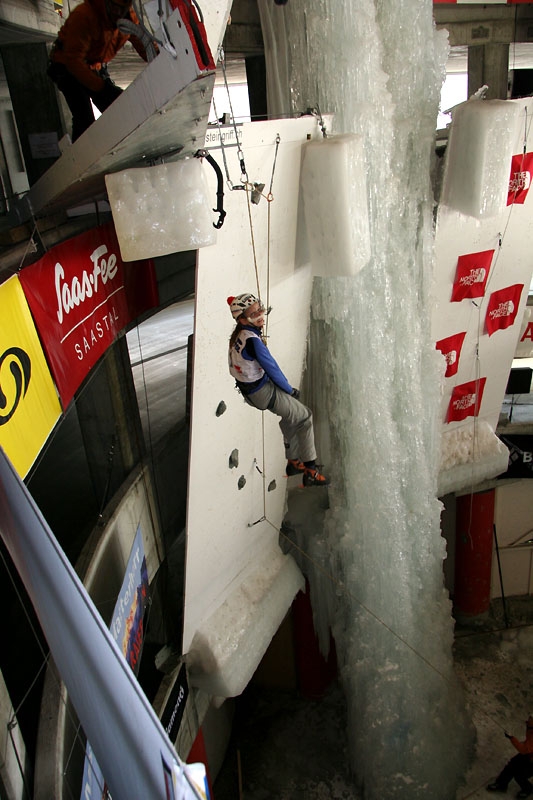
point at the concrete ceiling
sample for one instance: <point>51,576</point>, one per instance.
<point>24,21</point>
<point>520,57</point>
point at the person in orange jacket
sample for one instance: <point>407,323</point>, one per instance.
<point>520,767</point>
<point>86,43</point>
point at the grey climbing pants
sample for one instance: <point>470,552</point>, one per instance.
<point>296,421</point>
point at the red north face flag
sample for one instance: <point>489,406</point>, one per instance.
<point>466,400</point>
<point>502,308</point>
<point>471,275</point>
<point>520,178</point>
<point>451,350</point>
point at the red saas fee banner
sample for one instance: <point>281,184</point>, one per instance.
<point>466,400</point>
<point>471,276</point>
<point>451,350</point>
<point>520,179</point>
<point>502,308</point>
<point>81,295</point>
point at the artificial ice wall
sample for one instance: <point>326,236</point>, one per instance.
<point>374,381</point>
<point>238,584</point>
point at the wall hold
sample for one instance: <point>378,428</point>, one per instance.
<point>221,408</point>
<point>233,460</point>
<point>242,482</point>
<point>272,486</point>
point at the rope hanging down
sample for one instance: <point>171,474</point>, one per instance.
<point>476,364</point>
<point>254,191</point>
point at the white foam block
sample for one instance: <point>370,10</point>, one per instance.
<point>162,209</point>
<point>227,649</point>
<point>470,454</point>
<point>478,161</point>
<point>335,205</point>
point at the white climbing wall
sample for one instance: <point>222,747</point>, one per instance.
<point>485,208</point>
<point>233,564</point>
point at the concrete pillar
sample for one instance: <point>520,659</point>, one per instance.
<point>489,64</point>
<point>473,553</point>
<point>34,100</point>
<point>315,673</point>
<point>256,78</point>
<point>110,422</point>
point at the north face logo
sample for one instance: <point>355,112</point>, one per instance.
<point>503,310</point>
<point>475,276</point>
<point>520,181</point>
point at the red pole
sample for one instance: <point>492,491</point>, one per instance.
<point>473,552</point>
<point>315,673</point>
<point>197,754</point>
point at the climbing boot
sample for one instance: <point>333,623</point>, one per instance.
<point>295,467</point>
<point>312,477</point>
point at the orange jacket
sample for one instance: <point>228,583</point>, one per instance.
<point>525,747</point>
<point>89,39</point>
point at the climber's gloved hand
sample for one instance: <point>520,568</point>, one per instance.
<point>107,95</point>
<point>296,394</point>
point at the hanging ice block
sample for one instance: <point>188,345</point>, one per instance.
<point>478,161</point>
<point>470,454</point>
<point>162,209</point>
<point>227,649</point>
<point>335,204</point>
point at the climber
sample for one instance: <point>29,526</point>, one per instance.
<point>264,386</point>
<point>87,41</point>
<point>520,767</point>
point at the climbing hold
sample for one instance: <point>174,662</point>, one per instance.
<point>234,459</point>
<point>220,408</point>
<point>271,486</point>
<point>242,482</point>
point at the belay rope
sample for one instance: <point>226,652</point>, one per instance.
<point>254,193</point>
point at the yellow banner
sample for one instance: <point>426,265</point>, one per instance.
<point>29,406</point>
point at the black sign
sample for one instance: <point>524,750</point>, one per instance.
<point>175,706</point>
<point>520,456</point>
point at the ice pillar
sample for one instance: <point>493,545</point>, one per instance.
<point>378,66</point>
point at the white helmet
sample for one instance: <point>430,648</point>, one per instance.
<point>238,305</point>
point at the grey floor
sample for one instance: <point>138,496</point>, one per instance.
<point>289,748</point>
<point>496,669</point>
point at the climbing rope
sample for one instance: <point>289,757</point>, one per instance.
<point>254,191</point>
<point>501,235</point>
<point>270,198</point>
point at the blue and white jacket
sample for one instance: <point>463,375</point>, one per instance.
<point>252,365</point>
